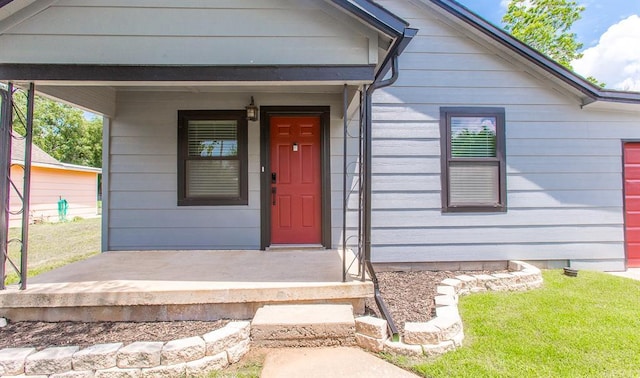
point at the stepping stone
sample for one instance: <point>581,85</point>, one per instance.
<point>312,325</point>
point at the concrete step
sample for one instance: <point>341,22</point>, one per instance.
<point>308,325</point>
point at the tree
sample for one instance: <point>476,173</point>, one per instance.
<point>545,25</point>
<point>62,131</point>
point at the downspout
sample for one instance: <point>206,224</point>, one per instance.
<point>378,83</point>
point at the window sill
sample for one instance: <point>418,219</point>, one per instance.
<point>475,209</point>
<point>213,202</point>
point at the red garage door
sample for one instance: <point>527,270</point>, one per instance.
<point>632,202</point>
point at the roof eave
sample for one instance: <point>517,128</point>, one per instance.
<point>374,15</point>
<point>61,166</point>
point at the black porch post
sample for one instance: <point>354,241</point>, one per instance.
<point>5,166</point>
<point>26,191</point>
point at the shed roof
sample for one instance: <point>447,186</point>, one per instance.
<point>39,158</point>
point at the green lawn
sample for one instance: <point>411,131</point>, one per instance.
<point>52,245</point>
<point>587,326</point>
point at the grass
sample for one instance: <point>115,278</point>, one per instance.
<point>587,326</point>
<point>52,245</point>
<point>249,367</point>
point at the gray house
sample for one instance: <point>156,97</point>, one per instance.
<point>411,131</point>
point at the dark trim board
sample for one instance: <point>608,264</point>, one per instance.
<point>266,112</point>
<point>98,72</point>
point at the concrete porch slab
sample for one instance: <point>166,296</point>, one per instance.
<point>183,285</point>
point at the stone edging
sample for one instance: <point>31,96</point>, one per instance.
<point>444,332</point>
<point>191,356</point>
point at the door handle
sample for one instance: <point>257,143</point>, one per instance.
<point>273,195</point>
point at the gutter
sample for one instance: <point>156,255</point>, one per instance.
<point>390,63</point>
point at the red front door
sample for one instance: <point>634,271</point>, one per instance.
<point>296,215</point>
<point>632,202</point>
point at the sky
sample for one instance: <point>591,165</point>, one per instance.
<point>609,31</point>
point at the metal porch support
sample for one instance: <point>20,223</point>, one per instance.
<point>6,184</point>
<point>348,191</point>
<point>26,190</point>
<point>344,182</point>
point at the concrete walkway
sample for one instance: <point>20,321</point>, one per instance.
<point>633,273</point>
<point>328,362</point>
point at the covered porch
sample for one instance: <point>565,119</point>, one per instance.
<point>166,93</point>
<point>184,285</point>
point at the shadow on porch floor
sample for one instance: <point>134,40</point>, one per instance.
<point>183,285</point>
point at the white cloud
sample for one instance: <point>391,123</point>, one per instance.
<point>615,60</point>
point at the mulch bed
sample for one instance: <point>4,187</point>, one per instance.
<point>409,296</point>
<point>42,334</point>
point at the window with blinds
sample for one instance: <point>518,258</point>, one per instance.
<point>473,159</point>
<point>213,165</point>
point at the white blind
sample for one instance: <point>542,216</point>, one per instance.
<point>217,178</point>
<point>213,138</point>
<point>473,183</point>
<point>473,137</point>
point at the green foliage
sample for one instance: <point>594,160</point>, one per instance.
<point>597,82</point>
<point>469,143</point>
<point>573,327</point>
<point>61,131</point>
<point>545,25</point>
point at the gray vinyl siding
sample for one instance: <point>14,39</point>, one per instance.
<point>178,32</point>
<point>564,165</point>
<point>143,212</point>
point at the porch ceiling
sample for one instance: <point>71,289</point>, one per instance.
<point>100,97</point>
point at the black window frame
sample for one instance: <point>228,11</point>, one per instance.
<point>240,116</point>
<point>446,113</point>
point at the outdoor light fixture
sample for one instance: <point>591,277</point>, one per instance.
<point>252,111</point>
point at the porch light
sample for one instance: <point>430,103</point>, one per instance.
<point>252,111</point>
